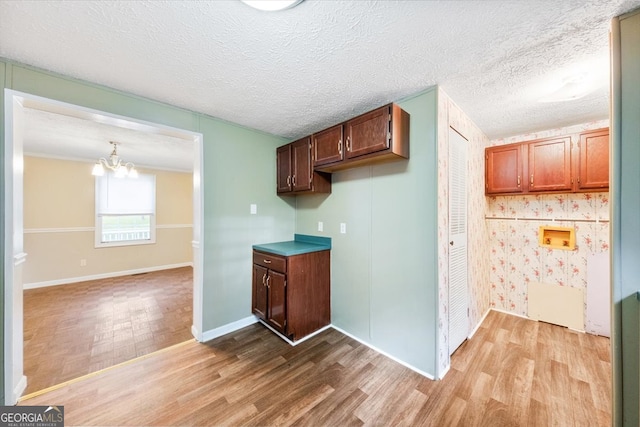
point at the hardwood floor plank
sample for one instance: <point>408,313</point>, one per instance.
<point>252,378</point>
<point>73,330</point>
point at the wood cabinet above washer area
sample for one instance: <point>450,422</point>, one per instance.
<point>550,165</point>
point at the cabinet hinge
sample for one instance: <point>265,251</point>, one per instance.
<point>388,139</point>
<point>285,283</point>
<point>285,323</point>
<point>389,118</point>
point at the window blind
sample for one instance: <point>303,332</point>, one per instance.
<point>125,196</point>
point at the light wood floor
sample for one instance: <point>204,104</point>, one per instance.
<point>513,372</point>
<point>72,330</point>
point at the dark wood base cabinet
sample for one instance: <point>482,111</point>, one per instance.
<point>292,294</point>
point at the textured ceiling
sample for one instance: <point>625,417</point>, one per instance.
<point>62,135</point>
<point>298,71</point>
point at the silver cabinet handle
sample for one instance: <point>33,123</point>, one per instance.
<point>340,147</point>
<point>266,261</point>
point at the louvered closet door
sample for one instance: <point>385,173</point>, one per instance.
<point>458,289</point>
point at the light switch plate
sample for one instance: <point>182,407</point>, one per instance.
<point>320,226</point>
<point>253,209</point>
<point>343,228</point>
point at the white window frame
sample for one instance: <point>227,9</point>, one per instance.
<point>98,222</point>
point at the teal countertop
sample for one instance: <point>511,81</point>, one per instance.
<point>301,244</point>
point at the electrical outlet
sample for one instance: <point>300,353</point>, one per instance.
<point>253,208</point>
<point>83,263</point>
<point>343,228</point>
<point>320,226</point>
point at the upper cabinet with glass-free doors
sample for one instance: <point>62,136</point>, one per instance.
<point>379,136</point>
<point>551,165</point>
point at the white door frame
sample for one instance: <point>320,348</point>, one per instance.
<point>459,310</point>
<point>15,381</point>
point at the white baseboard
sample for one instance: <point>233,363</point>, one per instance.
<point>444,372</point>
<point>196,333</point>
<point>301,340</point>
<point>395,359</point>
<point>18,390</point>
<point>228,328</point>
<point>509,312</point>
<point>474,330</point>
<point>104,275</point>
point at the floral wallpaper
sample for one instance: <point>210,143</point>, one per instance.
<point>450,115</point>
<point>503,251</point>
<point>515,258</point>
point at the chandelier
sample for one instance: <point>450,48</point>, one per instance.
<point>115,163</point>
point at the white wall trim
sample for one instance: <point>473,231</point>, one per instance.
<point>301,340</point>
<point>70,280</point>
<point>19,389</point>
<point>226,329</point>
<point>444,371</point>
<point>403,363</point>
<point>92,229</point>
<point>509,312</point>
<point>20,258</point>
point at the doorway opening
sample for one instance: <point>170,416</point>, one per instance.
<point>17,104</point>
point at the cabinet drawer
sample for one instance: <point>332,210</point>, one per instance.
<point>270,261</point>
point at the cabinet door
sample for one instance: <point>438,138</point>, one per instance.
<point>301,167</point>
<point>368,133</point>
<point>276,288</point>
<point>550,165</point>
<point>593,169</point>
<point>328,146</point>
<point>259,294</point>
<point>283,167</point>
<point>503,169</point>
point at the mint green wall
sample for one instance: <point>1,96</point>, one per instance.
<point>625,218</point>
<point>239,169</point>
<point>384,269</point>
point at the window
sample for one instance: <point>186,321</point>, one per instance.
<point>125,210</point>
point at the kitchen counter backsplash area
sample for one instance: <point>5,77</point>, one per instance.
<point>516,257</point>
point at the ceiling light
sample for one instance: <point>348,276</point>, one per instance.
<point>271,5</point>
<point>115,164</point>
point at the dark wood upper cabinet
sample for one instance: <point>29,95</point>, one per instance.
<point>368,133</point>
<point>301,168</point>
<point>379,136</point>
<point>294,171</point>
<point>504,169</point>
<point>328,146</point>
<point>550,164</point>
<point>593,162</point>
<point>283,166</point>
